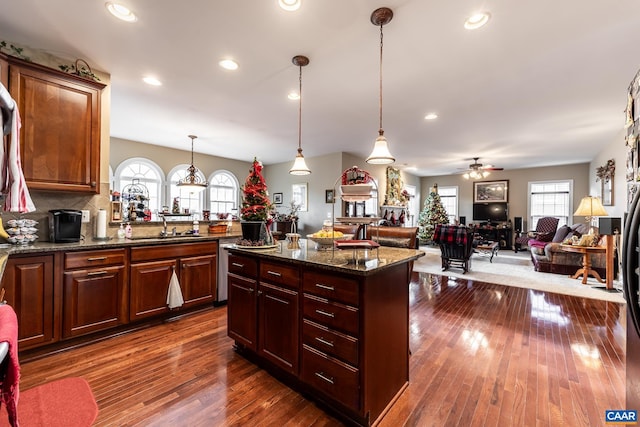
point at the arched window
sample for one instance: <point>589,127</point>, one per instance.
<point>147,173</point>
<point>223,193</point>
<point>187,200</point>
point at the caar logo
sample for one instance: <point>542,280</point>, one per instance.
<point>621,417</point>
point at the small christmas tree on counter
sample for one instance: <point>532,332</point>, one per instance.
<point>256,206</point>
<point>431,215</point>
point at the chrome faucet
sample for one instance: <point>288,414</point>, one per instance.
<point>163,233</point>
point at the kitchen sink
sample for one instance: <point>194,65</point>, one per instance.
<point>169,237</point>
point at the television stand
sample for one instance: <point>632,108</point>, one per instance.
<point>500,233</point>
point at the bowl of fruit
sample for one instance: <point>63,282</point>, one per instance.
<point>324,239</point>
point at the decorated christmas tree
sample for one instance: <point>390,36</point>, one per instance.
<point>255,201</point>
<point>432,214</point>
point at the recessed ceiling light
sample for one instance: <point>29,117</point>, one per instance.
<point>228,64</point>
<point>476,21</point>
<point>152,81</point>
<point>431,116</point>
<point>290,5</point>
<point>121,12</point>
<point>293,96</point>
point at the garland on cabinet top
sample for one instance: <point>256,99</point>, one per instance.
<point>395,195</point>
<point>256,205</point>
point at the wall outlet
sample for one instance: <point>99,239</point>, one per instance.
<point>85,216</point>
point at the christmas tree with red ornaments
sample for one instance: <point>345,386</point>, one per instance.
<point>256,205</point>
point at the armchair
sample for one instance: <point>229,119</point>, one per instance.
<point>544,232</point>
<point>456,245</point>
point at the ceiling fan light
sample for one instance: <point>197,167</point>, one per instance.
<point>299,165</point>
<point>380,154</point>
<point>485,174</point>
<point>466,176</point>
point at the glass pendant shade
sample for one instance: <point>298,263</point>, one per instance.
<point>380,154</point>
<point>299,165</point>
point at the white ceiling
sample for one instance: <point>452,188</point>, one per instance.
<point>543,83</point>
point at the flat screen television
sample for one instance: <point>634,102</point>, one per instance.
<point>491,212</point>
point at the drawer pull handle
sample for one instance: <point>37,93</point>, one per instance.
<point>325,313</point>
<point>328,288</point>
<point>98,258</point>
<point>96,273</point>
<point>324,341</point>
<point>274,273</point>
<point>237,264</point>
<point>322,376</point>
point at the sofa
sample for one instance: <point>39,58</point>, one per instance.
<point>548,257</point>
<point>398,237</point>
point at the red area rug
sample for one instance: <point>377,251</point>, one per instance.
<point>62,403</point>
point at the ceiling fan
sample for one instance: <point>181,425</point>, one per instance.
<point>478,170</point>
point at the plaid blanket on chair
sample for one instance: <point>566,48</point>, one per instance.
<point>451,234</point>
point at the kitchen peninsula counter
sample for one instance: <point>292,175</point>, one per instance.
<point>331,327</point>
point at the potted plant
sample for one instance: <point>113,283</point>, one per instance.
<point>256,207</point>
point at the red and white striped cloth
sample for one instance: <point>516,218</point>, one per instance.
<point>12,182</point>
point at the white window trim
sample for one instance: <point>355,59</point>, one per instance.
<point>571,210</point>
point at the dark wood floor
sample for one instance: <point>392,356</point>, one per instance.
<point>482,355</point>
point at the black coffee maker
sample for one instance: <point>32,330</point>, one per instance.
<point>64,225</point>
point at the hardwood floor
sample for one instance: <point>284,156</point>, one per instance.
<point>482,355</point>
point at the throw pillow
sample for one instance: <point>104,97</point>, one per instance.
<point>561,234</point>
<point>544,237</point>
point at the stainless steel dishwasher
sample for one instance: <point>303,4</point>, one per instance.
<point>223,269</point>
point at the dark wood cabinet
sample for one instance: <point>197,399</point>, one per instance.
<point>502,235</point>
<point>152,268</point>
<point>30,289</point>
<point>263,310</point>
<point>95,294</point>
<point>278,315</point>
<point>352,346</point>
<point>149,283</point>
<point>197,277</point>
<point>60,136</point>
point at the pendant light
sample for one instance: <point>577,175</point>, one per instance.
<point>192,182</point>
<point>380,154</point>
<point>299,165</point>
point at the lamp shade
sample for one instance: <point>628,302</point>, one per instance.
<point>590,207</point>
<point>299,165</point>
<point>380,154</point>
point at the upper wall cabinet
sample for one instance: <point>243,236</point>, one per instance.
<point>60,135</point>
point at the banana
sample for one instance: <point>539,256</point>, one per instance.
<point>3,233</point>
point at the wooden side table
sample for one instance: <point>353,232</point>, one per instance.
<point>586,269</point>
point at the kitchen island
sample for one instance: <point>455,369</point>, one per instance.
<point>332,324</point>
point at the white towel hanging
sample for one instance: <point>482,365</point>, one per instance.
<point>174,295</point>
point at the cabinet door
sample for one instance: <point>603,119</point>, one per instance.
<point>60,137</point>
<point>29,286</point>
<point>149,283</point>
<point>278,320</point>
<point>198,279</point>
<point>94,300</point>
<point>242,311</point>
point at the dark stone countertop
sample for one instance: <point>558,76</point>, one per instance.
<point>368,262</point>
<point>91,244</point>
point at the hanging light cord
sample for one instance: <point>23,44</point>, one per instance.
<point>380,131</point>
<point>191,149</point>
<point>300,112</point>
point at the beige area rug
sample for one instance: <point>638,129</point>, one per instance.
<point>516,269</point>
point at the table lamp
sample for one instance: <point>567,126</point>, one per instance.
<point>589,207</point>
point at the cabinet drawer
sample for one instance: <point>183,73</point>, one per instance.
<point>331,287</point>
<point>86,259</point>
<point>332,314</point>
<point>281,274</point>
<point>334,378</point>
<point>333,343</point>
<point>178,250</point>
<point>243,266</point>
